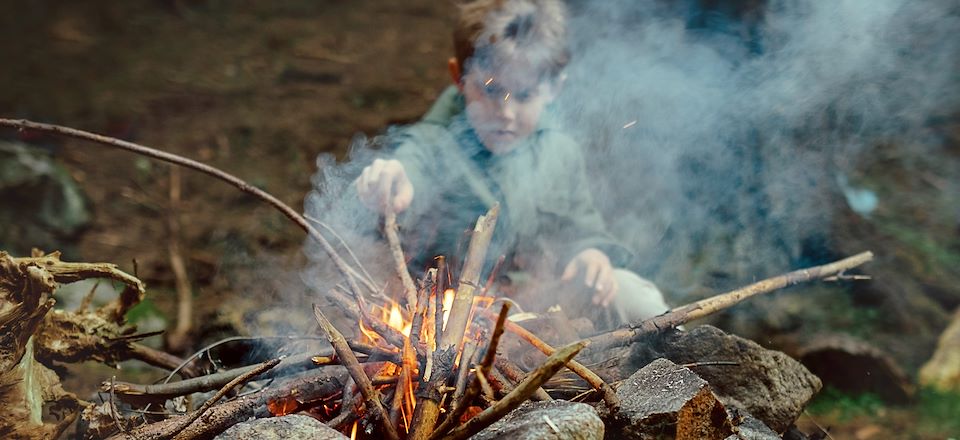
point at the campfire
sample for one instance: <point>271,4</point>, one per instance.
<point>430,364</point>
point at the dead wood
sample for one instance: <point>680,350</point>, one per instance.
<point>482,371</point>
<point>684,314</point>
<point>310,387</point>
<point>181,432</point>
<point>428,407</point>
<point>516,397</point>
<point>390,229</point>
<point>606,392</point>
<point>515,374</point>
<point>469,279</point>
<point>372,396</point>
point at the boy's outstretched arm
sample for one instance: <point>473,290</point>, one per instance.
<point>384,186</point>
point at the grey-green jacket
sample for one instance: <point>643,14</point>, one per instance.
<point>547,210</point>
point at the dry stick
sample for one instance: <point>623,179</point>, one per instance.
<point>607,392</point>
<point>162,359</point>
<point>423,306</point>
<point>708,306</point>
<point>481,373</point>
<point>514,373</point>
<point>223,392</point>
<point>466,358</point>
<point>342,266</point>
<point>291,365</point>
<point>408,366</point>
<point>356,371</point>
<point>469,278</point>
<point>396,251</point>
<point>428,408</point>
<point>319,384</point>
<point>177,340</point>
<point>516,397</point>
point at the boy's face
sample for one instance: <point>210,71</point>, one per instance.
<point>505,106</point>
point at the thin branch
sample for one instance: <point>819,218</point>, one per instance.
<point>287,211</point>
<point>356,371</point>
<point>708,306</point>
<point>609,396</point>
<point>479,377</point>
<point>216,397</point>
<point>400,263</point>
<point>516,397</point>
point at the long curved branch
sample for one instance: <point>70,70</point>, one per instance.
<point>342,266</point>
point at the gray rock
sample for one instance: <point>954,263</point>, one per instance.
<point>42,205</point>
<point>292,427</point>
<point>749,428</point>
<point>557,419</point>
<point>664,399</point>
<point>768,384</point>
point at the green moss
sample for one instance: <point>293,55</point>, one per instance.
<point>835,404</point>
<point>939,411</point>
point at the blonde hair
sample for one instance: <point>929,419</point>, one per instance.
<point>493,32</point>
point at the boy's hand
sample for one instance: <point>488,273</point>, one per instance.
<point>383,186</point>
<point>597,274</point>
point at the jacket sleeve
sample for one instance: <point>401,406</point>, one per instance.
<point>574,223</point>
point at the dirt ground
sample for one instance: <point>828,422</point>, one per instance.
<point>258,89</point>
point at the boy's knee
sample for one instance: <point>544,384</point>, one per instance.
<point>638,298</point>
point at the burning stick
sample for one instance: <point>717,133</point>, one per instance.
<point>428,409</point>
<point>481,372</point>
<point>516,397</point>
<point>705,307</point>
<point>469,278</point>
<point>609,396</point>
<point>356,371</point>
<point>393,238</point>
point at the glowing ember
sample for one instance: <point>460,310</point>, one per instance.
<point>353,431</point>
<point>282,407</point>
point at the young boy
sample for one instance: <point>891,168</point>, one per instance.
<point>490,139</point>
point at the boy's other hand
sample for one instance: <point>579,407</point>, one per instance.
<point>593,267</point>
<point>383,186</point>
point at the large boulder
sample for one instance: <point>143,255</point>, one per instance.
<point>768,384</point>
<point>292,427</point>
<point>556,419</point>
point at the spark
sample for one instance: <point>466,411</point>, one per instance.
<point>506,97</point>
<point>630,124</point>
<point>489,80</point>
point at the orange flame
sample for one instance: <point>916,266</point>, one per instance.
<point>395,320</point>
<point>370,334</point>
<point>447,304</point>
<point>353,431</point>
